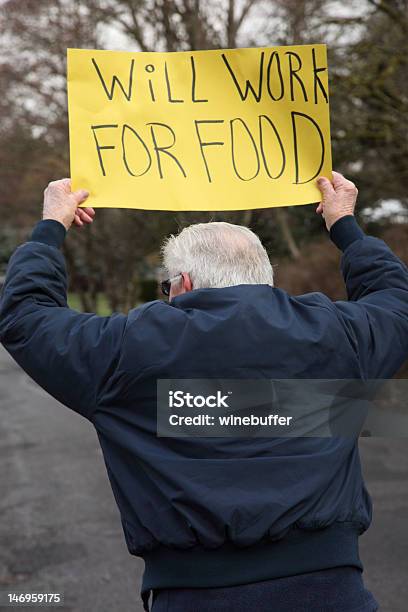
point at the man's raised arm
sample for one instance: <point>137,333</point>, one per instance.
<point>69,354</point>
<point>376,315</point>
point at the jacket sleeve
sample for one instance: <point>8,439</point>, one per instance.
<point>69,354</point>
<point>376,313</point>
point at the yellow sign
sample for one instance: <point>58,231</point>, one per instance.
<point>203,130</point>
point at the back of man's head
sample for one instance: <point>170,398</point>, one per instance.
<point>218,254</point>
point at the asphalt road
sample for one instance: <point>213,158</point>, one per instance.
<point>60,530</point>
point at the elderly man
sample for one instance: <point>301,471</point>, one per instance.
<point>222,524</point>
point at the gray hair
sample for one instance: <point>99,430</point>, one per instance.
<point>218,254</point>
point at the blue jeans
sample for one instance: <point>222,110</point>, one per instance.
<point>334,590</point>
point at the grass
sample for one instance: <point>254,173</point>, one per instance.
<point>102,308</point>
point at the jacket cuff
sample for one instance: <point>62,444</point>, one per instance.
<point>49,231</point>
<point>345,231</point>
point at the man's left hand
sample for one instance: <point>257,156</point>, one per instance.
<point>61,204</point>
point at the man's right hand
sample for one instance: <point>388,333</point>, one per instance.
<point>338,198</point>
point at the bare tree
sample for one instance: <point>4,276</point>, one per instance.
<point>368,58</point>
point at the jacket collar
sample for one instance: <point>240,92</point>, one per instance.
<point>212,298</point>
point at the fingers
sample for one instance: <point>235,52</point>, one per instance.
<point>77,220</point>
<point>319,209</point>
<point>80,196</point>
<point>341,183</point>
<point>338,180</point>
<point>64,184</point>
<point>84,216</point>
<point>325,186</point>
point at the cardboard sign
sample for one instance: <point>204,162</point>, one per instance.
<point>204,130</point>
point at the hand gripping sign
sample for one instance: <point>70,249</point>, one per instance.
<point>204,130</point>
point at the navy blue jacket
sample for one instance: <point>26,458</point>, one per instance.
<point>216,511</point>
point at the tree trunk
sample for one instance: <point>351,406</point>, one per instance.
<point>283,221</point>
